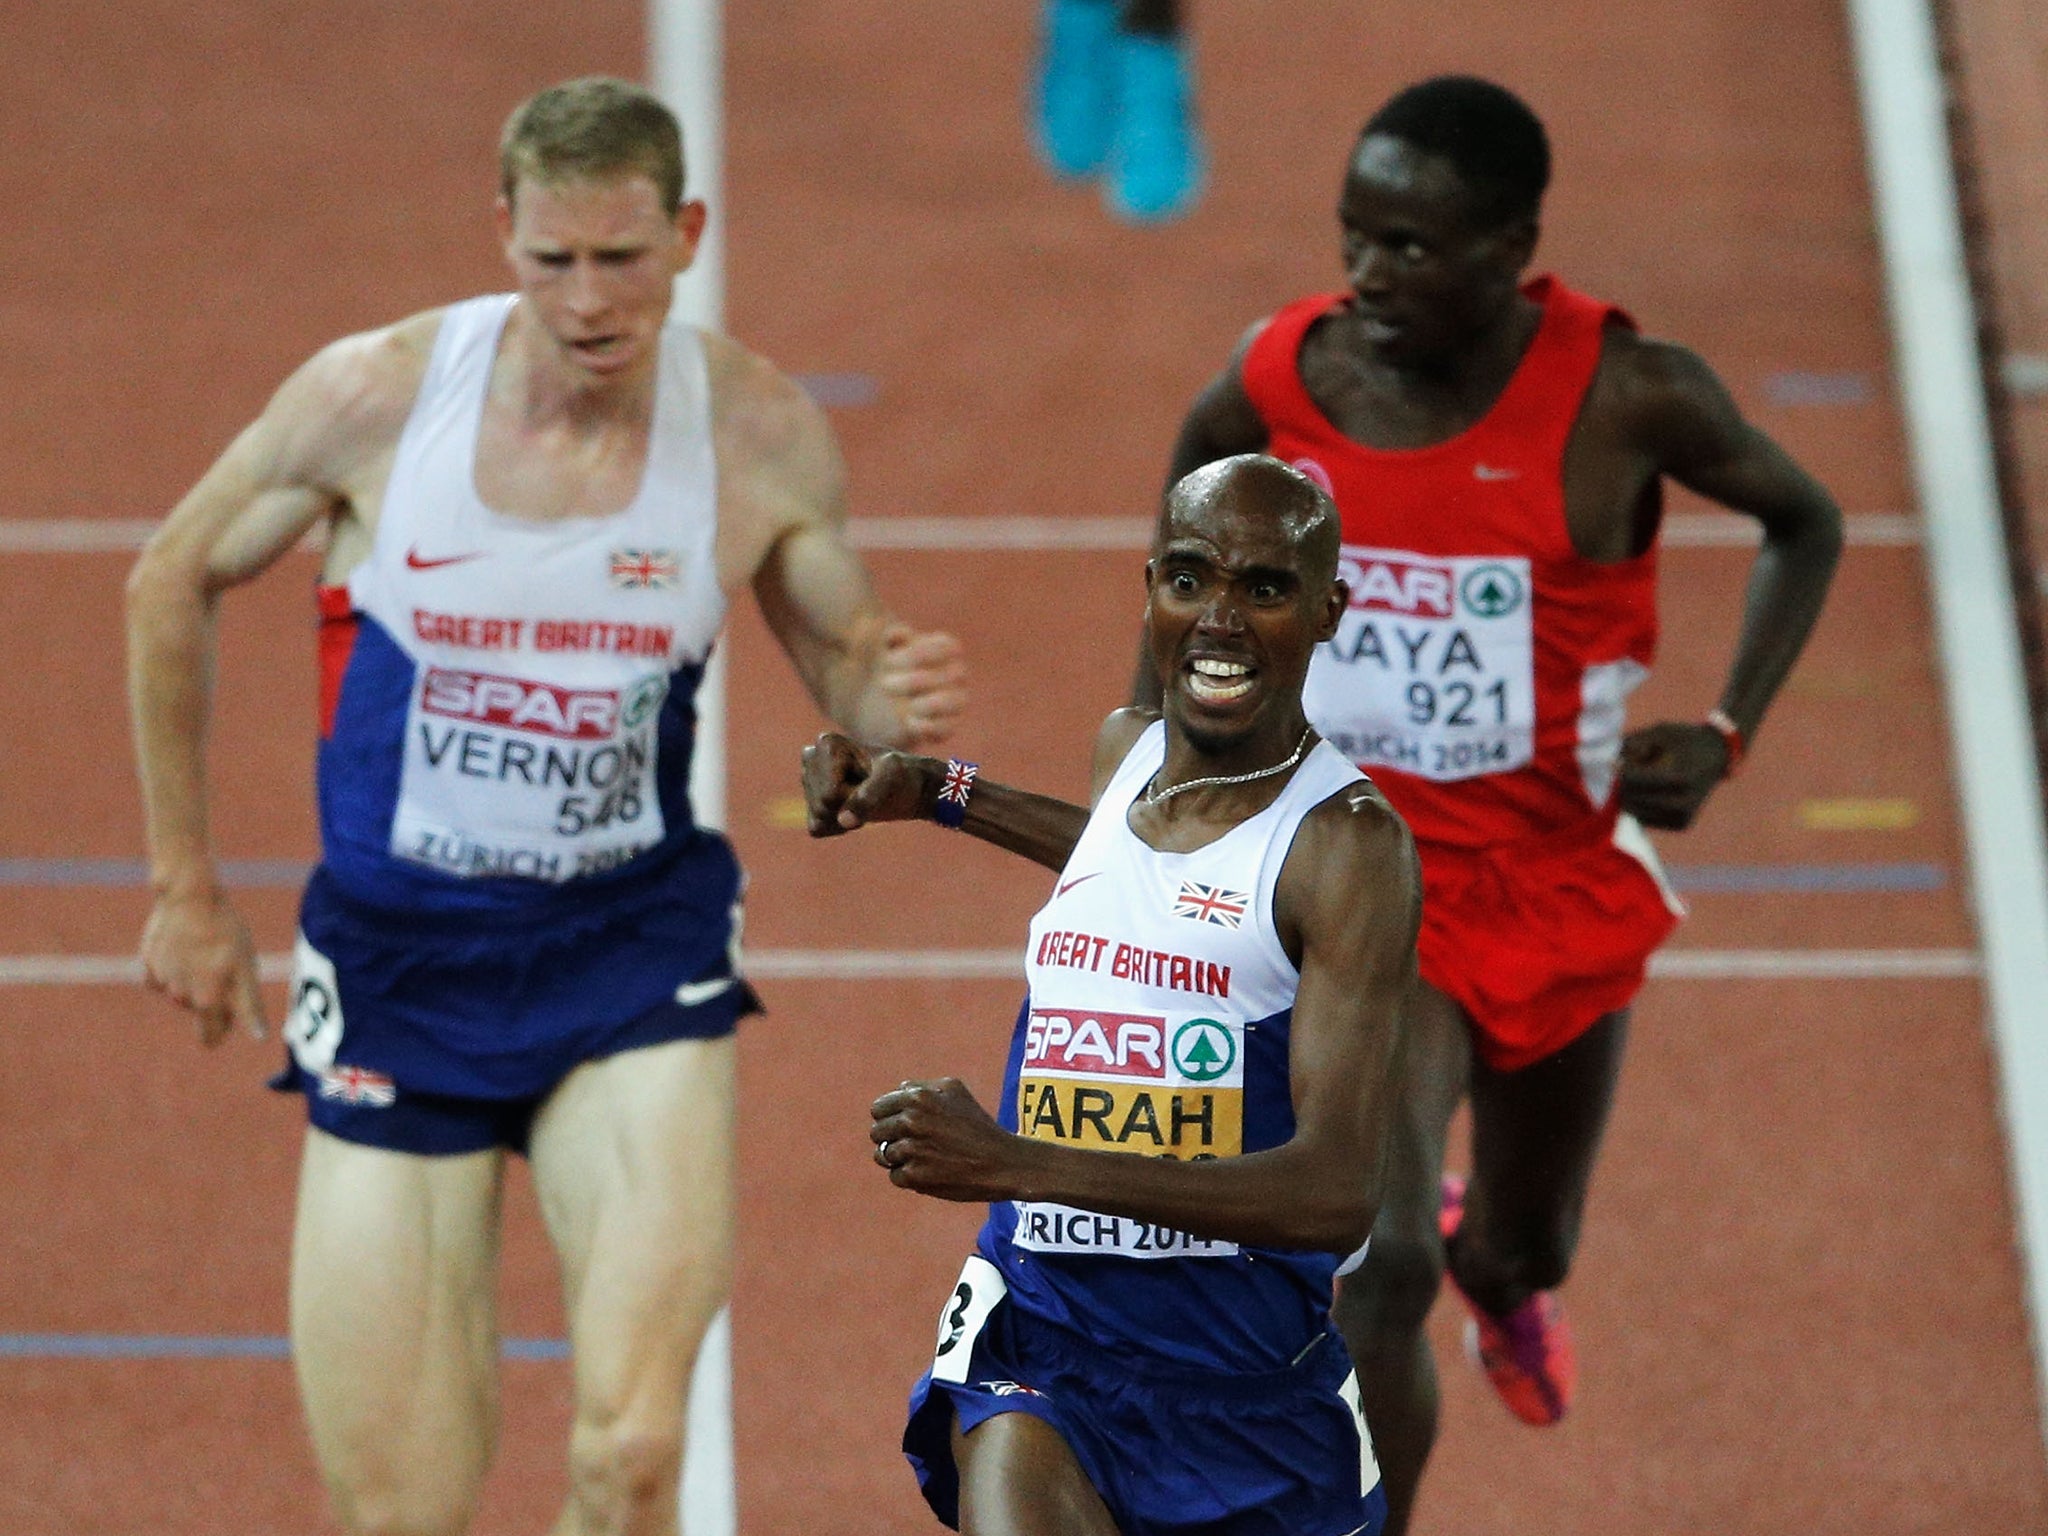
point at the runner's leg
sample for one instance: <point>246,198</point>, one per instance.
<point>1018,1477</point>
<point>1156,18</point>
<point>1535,1134</point>
<point>394,1330</point>
<point>1383,1306</point>
<point>633,1161</point>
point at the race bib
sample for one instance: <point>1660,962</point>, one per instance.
<point>313,1024</point>
<point>1432,670</point>
<point>966,1313</point>
<point>1149,1084</point>
<point>511,777</point>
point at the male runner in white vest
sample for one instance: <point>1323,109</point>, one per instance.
<point>517,938</point>
<point>1142,1344</point>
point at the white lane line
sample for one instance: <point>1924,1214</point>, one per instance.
<point>1939,370</point>
<point>884,964</point>
<point>1724,530</point>
<point>1907,132</point>
<point>997,533</point>
<point>1814,964</point>
<point>1682,530</point>
<point>73,535</point>
<point>1007,965</point>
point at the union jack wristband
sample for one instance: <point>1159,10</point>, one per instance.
<point>950,809</point>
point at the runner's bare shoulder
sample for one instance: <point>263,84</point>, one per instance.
<point>766,426</point>
<point>1354,858</point>
<point>348,403</point>
<point>1645,384</point>
<point>1113,743</point>
<point>779,468</point>
<point>1368,814</point>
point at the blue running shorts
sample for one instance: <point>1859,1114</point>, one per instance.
<point>1172,1451</point>
<point>442,1034</point>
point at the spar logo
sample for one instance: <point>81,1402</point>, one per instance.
<point>1491,591</point>
<point>1203,1050</point>
<point>569,713</point>
<point>1110,1044</point>
<point>643,701</point>
<point>1388,583</point>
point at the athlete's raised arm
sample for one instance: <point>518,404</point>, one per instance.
<point>1677,414</point>
<point>847,785</point>
<point>1347,907</point>
<point>330,424</point>
<point>782,512</point>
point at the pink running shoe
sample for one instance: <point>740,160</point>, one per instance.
<point>1528,1355</point>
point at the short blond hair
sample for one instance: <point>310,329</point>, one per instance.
<point>595,127</point>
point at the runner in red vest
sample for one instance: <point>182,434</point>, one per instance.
<point>1497,450</point>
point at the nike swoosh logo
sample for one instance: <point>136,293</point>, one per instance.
<point>1488,472</point>
<point>692,993</point>
<point>417,563</point>
<point>1074,882</point>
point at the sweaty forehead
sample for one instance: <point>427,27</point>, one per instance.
<point>588,204</point>
<point>1217,532</point>
<point>1388,171</point>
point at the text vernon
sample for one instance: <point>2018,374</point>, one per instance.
<point>488,755</point>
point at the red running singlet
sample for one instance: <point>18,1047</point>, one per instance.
<point>1482,671</point>
<point>1481,676</point>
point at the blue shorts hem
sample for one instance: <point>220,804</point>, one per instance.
<point>1168,1459</point>
<point>385,1114</point>
<point>928,1436</point>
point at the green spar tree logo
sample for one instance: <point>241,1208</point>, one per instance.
<point>643,701</point>
<point>1203,1050</point>
<point>1491,591</point>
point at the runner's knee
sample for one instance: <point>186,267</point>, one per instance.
<point>625,1472</point>
<point>1387,1299</point>
<point>432,1506</point>
<point>1533,1255</point>
<point>410,1480</point>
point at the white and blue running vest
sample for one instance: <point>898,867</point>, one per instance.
<point>1157,1025</point>
<point>513,720</point>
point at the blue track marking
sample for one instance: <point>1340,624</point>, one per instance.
<point>1817,879</point>
<point>203,1346</point>
<point>1820,879</point>
<point>1804,388</point>
<point>840,391</point>
<point>242,873</point>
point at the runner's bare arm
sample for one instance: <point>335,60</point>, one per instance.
<point>846,786</point>
<point>292,466</point>
<point>1219,425</point>
<point>782,479</point>
<point>1349,904</point>
<point>1681,416</point>
<point>1221,422</point>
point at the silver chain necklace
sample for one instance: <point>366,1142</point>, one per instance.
<point>1157,796</point>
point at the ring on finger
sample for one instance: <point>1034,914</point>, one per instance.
<point>882,1155</point>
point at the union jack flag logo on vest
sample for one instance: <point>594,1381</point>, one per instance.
<point>645,568</point>
<point>1211,904</point>
<point>358,1085</point>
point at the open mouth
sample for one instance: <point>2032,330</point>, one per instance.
<point>1381,328</point>
<point>1213,680</point>
<point>597,348</point>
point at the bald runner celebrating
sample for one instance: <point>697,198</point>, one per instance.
<point>538,505</point>
<point>1498,451</point>
<point>1142,1344</point>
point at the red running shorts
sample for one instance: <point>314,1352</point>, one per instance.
<point>1538,940</point>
